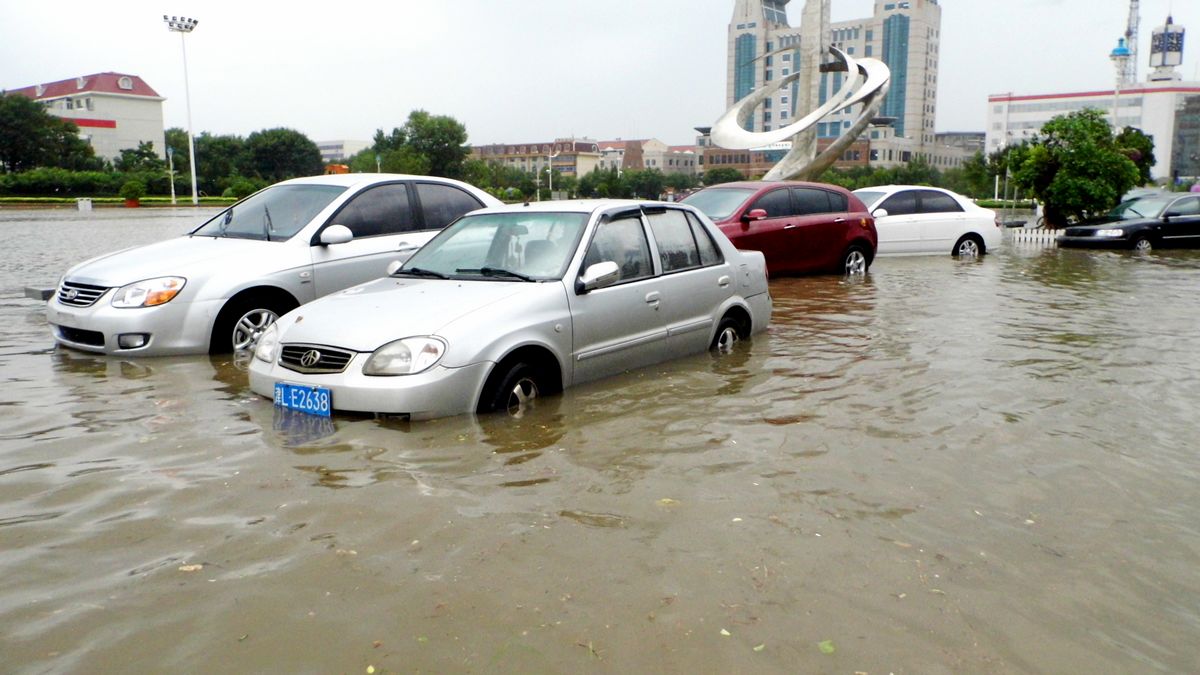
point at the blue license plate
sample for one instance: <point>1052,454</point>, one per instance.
<point>312,400</point>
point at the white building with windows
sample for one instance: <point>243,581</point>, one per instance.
<point>340,151</point>
<point>1150,106</point>
<point>113,111</point>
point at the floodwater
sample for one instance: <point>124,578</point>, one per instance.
<point>945,467</point>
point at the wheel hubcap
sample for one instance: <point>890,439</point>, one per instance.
<point>1142,245</point>
<point>968,248</point>
<point>522,396</point>
<point>726,340</point>
<point>856,263</point>
<point>250,327</point>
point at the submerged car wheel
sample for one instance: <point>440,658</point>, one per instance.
<point>968,246</point>
<point>854,261</point>
<point>1143,244</point>
<point>242,321</point>
<point>728,334</point>
<point>516,392</point>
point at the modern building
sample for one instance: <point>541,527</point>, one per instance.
<point>340,151</point>
<point>1153,106</point>
<point>568,156</point>
<point>113,111</point>
<point>1185,161</point>
<point>905,35</point>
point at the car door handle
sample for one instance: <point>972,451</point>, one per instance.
<point>405,246</point>
<point>839,220</point>
<point>724,281</point>
<point>789,226</point>
<point>652,299</point>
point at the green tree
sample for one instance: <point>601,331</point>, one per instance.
<point>31,137</point>
<point>680,181</point>
<point>722,175</point>
<point>1139,148</point>
<point>1075,167</point>
<point>441,139</point>
<point>142,158</point>
<point>647,184</point>
<point>279,154</point>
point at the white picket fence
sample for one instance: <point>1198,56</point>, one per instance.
<point>1038,237</point>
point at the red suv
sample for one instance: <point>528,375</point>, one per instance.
<point>801,228</point>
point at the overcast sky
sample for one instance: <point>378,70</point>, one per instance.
<point>523,70</point>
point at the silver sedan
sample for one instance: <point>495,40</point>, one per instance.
<point>512,303</point>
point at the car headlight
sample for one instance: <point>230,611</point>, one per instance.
<point>1110,233</point>
<point>405,357</point>
<point>148,293</point>
<point>268,344</point>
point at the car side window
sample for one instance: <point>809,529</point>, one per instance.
<point>1188,206</point>
<point>677,247</point>
<point>938,202</point>
<point>383,209</point>
<point>810,201</point>
<point>709,253</point>
<point>900,204</point>
<point>622,241</point>
<point>838,202</point>
<point>777,203</point>
<point>443,204</point>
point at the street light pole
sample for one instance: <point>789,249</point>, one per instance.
<point>183,25</point>
<point>550,172</point>
<point>1120,58</point>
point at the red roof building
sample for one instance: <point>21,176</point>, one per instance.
<point>113,111</point>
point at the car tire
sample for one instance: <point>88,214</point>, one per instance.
<point>729,333</point>
<point>516,391</point>
<point>855,261</point>
<point>1142,244</point>
<point>968,246</point>
<point>242,321</point>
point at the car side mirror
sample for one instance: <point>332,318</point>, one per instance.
<point>393,266</point>
<point>754,214</point>
<point>598,276</point>
<point>336,234</point>
<point>880,213</point>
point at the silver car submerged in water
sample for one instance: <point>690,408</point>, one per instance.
<point>513,303</point>
<point>215,289</point>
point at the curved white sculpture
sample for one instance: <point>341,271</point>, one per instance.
<point>868,85</point>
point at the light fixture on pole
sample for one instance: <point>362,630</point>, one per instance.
<point>184,25</point>
<point>550,172</point>
<point>1120,57</point>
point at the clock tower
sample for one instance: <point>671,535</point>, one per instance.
<point>1166,51</point>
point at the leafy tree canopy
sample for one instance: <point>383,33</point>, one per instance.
<point>30,137</point>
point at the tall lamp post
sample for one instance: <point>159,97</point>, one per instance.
<point>1120,57</point>
<point>183,25</point>
<point>550,173</point>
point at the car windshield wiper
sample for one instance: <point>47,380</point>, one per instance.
<point>495,272</point>
<point>268,227</point>
<point>420,272</point>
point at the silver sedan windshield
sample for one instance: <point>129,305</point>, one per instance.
<point>533,246</point>
<point>273,214</point>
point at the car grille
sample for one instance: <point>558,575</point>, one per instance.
<point>314,359</point>
<point>81,337</point>
<point>79,295</point>
<point>1080,232</point>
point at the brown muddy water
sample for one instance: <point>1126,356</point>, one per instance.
<point>945,467</point>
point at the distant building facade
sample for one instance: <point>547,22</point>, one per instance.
<point>340,151</point>
<point>650,153</point>
<point>568,156</point>
<point>113,111</point>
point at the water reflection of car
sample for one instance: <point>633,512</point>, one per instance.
<point>1162,220</point>
<point>216,288</point>
<point>801,228</point>
<point>512,303</point>
<point>918,220</point>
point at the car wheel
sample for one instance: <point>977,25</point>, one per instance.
<point>1142,244</point>
<point>516,392</point>
<point>854,261</point>
<point>968,246</point>
<point>241,322</point>
<point>728,334</point>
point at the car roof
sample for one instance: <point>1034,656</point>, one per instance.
<point>355,179</point>
<point>765,184</point>
<point>897,188</point>
<point>578,206</point>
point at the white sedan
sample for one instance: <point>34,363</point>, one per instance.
<point>512,303</point>
<point>919,220</point>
